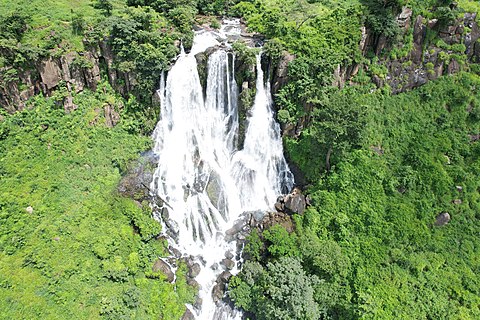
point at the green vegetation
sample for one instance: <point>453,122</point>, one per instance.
<point>379,168</point>
<point>369,239</point>
<point>70,246</point>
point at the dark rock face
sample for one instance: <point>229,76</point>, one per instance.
<point>419,33</point>
<point>77,70</point>
<point>163,267</point>
<point>442,219</point>
<point>280,77</point>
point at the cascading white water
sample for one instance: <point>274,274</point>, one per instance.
<point>204,180</point>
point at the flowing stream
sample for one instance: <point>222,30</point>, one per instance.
<point>206,182</point>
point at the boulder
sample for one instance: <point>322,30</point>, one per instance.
<point>225,276</point>
<point>50,73</point>
<point>229,255</point>
<point>194,270</point>
<point>295,202</point>
<point>163,267</point>
<point>442,219</point>
<point>188,315</point>
<point>218,291</point>
<point>228,264</point>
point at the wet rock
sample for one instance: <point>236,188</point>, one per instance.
<point>214,189</point>
<point>233,233</point>
<point>442,219</point>
<point>194,270</point>
<point>163,267</point>
<point>225,276</point>
<point>193,283</point>
<point>175,252</point>
<point>229,255</point>
<point>188,315</point>
<point>164,213</point>
<point>280,207</point>
<point>198,303</point>
<point>218,291</point>
<point>228,263</point>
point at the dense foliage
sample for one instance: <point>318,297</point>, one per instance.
<point>368,244</point>
<point>379,168</point>
<point>70,246</point>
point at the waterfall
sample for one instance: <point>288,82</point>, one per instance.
<point>205,182</point>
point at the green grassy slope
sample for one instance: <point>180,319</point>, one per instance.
<point>50,21</point>
<point>77,255</point>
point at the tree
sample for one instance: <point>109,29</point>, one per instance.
<point>280,291</point>
<point>338,124</point>
<point>289,291</point>
<point>104,5</point>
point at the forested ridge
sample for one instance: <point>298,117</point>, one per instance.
<point>380,109</point>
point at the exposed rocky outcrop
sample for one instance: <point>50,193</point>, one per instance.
<point>442,219</point>
<point>280,76</point>
<point>427,60</point>
<point>162,266</point>
<point>75,71</point>
<point>291,203</point>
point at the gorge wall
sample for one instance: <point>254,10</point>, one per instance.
<point>427,51</point>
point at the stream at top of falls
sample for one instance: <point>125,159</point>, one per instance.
<point>205,181</point>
